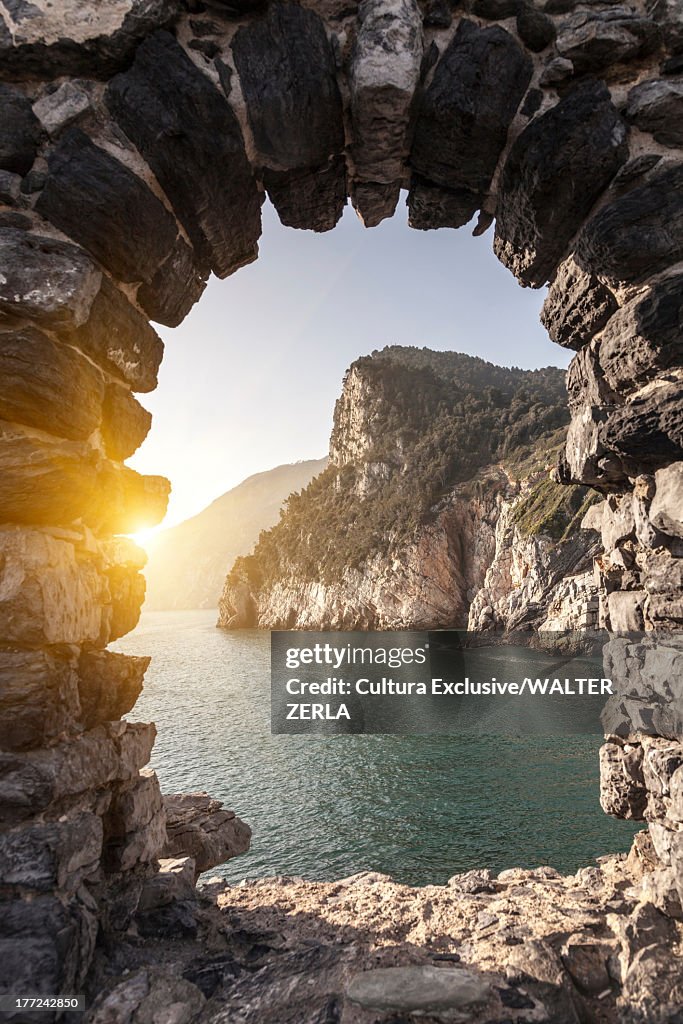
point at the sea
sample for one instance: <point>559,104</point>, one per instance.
<point>418,808</point>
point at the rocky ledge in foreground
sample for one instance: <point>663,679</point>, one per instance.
<point>526,946</point>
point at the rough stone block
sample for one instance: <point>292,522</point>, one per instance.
<point>289,82</point>
<point>199,827</point>
<point>647,432</point>
<point>47,594</point>
<point>309,199</point>
<point>118,337</point>
<point>618,522</point>
<point>47,280</point>
<point>20,132</point>
<point>173,883</point>
<point>108,685</point>
<point>135,825</point>
<point>432,206</point>
<point>288,78</point>
<point>202,165</point>
<point>656,106</point>
<point>125,423</point>
<point>626,611</point>
<point>32,782</point>
<point>46,945</point>
<point>576,307</point>
<point>666,511</point>
<point>639,233</point>
<point>44,856</point>
<point>463,117</point>
<point>76,38</point>
<point>99,202</point>
<point>56,110</point>
<point>44,481</point>
<point>385,70</point>
<point>622,789</point>
<point>644,336</point>
<point>39,697</point>
<point>595,39</point>
<point>554,172</point>
<point>47,385</point>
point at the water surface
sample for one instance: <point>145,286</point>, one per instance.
<point>419,808</point>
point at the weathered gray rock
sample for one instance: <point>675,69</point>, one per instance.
<point>47,594</point>
<point>76,38</point>
<point>668,14</point>
<point>199,827</point>
<point>586,385</point>
<point>108,685</point>
<point>288,78</point>
<point>639,233</point>
<point>117,336</point>
<point>46,943</point>
<point>199,159</point>
<point>175,881</point>
<point>374,201</point>
<point>47,385</point>
<point>38,697</point>
<point>666,510</point>
<point>463,117</point>
<point>125,423</point>
<point>384,74</point>
<point>625,610</point>
<point>663,581</point>
<point>576,307</point>
<point>595,39</point>
<point>419,989</point>
<point>617,522</point>
<point>150,996</point>
<point>656,106</point>
<point>20,132</point>
<point>44,856</point>
<point>622,788</point>
<point>557,70</point>
<point>312,199</point>
<point>33,781</point>
<point>100,203</point>
<point>127,592</point>
<point>536,29</point>
<point>432,206</point>
<point>50,281</point>
<point>554,172</point>
<point>135,824</point>
<point>644,336</point>
<point>648,431</point>
<point>56,110</point>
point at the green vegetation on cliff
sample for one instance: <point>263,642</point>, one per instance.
<point>409,425</point>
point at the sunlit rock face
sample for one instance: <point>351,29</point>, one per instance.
<point>137,140</point>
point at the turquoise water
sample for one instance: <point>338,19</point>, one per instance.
<point>419,808</point>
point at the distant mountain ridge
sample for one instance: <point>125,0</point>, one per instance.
<point>188,562</point>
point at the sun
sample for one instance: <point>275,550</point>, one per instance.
<point>145,538</point>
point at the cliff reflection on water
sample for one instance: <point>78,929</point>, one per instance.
<point>419,808</point>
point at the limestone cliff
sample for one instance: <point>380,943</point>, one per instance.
<point>436,498</point>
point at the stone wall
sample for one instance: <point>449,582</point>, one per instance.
<point>137,141</point>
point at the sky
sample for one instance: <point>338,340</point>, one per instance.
<point>250,377</point>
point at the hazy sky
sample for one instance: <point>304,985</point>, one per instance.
<point>250,378</point>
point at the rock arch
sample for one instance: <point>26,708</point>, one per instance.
<point>136,144</point>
